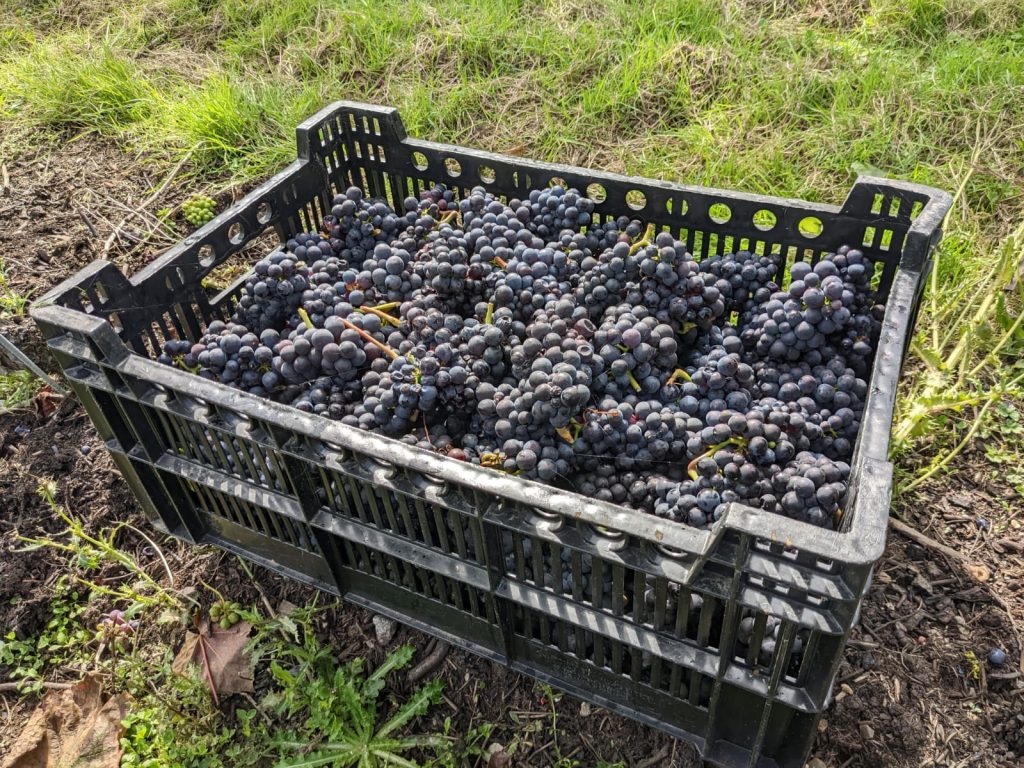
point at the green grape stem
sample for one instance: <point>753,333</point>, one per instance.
<point>646,240</point>
<point>384,316</point>
<point>678,373</point>
<point>691,468</point>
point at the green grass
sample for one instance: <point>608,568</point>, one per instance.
<point>789,98</point>
<point>16,388</point>
<point>12,303</point>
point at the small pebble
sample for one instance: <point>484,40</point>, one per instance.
<point>21,430</point>
<point>85,450</point>
<point>384,628</point>
<point>867,732</point>
<point>983,523</point>
<point>997,657</point>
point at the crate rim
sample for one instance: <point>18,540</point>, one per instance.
<point>861,543</point>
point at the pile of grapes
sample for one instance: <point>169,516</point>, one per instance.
<point>527,337</point>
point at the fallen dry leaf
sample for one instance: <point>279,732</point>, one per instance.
<point>46,401</point>
<point>221,658</point>
<point>73,728</point>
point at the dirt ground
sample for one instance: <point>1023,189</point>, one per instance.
<point>906,694</point>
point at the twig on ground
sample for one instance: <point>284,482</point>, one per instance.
<point>88,223</point>
<point>146,203</point>
<point>926,541</point>
<point>430,663</point>
<point>1016,546</point>
<point>5,179</point>
<point>655,759</point>
<point>206,669</point>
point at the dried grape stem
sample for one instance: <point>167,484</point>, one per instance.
<point>368,338</point>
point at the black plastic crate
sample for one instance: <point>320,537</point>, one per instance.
<point>728,638</point>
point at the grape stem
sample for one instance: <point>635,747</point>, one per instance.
<point>447,218</point>
<point>426,430</point>
<point>691,468</point>
<point>367,337</point>
<point>384,316</point>
<point>491,460</point>
<point>646,240</point>
<point>305,318</point>
<point>500,262</point>
<point>489,317</point>
<point>633,382</point>
<point>179,360</point>
<point>678,373</point>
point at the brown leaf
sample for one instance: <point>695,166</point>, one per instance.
<point>73,728</point>
<point>46,401</point>
<point>221,658</point>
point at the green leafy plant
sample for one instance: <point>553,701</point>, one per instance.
<point>67,639</point>
<point>969,340</point>
<point>173,721</point>
<point>91,552</point>
<point>12,303</point>
<point>342,706</point>
<point>63,640</point>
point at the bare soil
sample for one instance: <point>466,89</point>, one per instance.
<point>907,694</point>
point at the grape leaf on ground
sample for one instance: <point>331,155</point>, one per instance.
<point>221,657</point>
<point>74,727</point>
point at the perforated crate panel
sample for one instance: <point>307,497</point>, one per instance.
<point>729,638</point>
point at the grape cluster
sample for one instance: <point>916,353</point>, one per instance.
<point>810,488</point>
<point>274,291</point>
<point>822,302</point>
<point>228,353</point>
<point>199,210</point>
<point>647,435</point>
<point>672,285</point>
<point>550,211</point>
<point>638,351</point>
<point>359,224</point>
<point>455,279</point>
<point>745,279</point>
<point>526,337</point>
